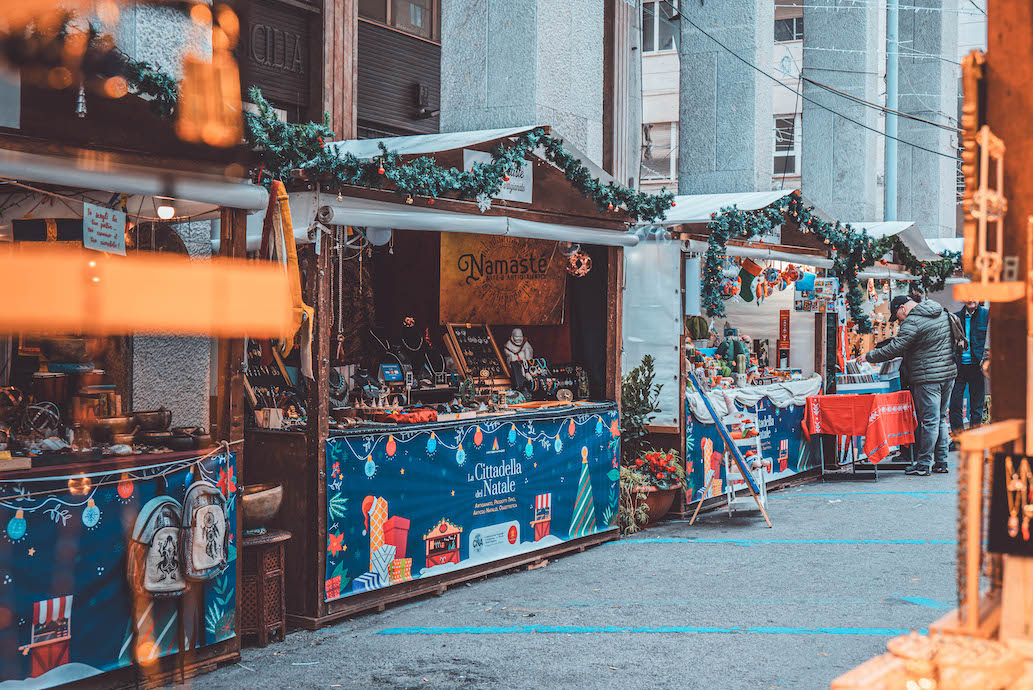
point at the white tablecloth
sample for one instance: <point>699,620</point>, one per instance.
<point>780,394</point>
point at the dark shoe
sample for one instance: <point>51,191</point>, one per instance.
<point>940,469</point>
<point>953,445</point>
<point>917,470</point>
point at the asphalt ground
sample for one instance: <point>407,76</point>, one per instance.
<point>725,603</point>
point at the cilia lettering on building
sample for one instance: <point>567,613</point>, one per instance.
<point>498,479</point>
<point>530,267</point>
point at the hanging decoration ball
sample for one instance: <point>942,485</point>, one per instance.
<point>512,434</point>
<point>528,449</point>
<point>558,444</point>
<point>460,456</point>
<point>125,486</point>
<point>430,201</point>
<point>408,199</point>
<point>673,204</point>
<point>380,170</point>
<point>579,264</point>
<point>432,443</point>
<point>370,468</point>
<point>17,526</point>
<point>91,514</point>
<point>771,275</point>
<point>478,437</point>
<point>80,485</point>
<point>505,178</point>
<point>391,446</point>
<point>609,207</point>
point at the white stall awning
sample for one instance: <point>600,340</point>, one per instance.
<point>307,209</point>
<point>910,235</point>
<point>697,208</point>
<point>83,173</point>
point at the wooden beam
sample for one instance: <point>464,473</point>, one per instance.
<point>991,436</point>
<point>614,322</point>
<point>340,60</point>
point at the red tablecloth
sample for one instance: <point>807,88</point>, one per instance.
<point>884,419</point>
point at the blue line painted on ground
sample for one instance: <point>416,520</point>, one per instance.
<point>925,601</point>
<point>634,630</point>
<point>867,493</point>
<point>752,542</point>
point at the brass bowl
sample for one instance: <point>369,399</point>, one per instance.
<point>261,504</point>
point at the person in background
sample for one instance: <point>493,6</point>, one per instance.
<point>924,341</point>
<point>908,453</point>
<point>976,320</point>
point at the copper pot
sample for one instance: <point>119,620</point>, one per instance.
<point>153,420</point>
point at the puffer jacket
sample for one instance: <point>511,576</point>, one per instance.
<point>924,341</point>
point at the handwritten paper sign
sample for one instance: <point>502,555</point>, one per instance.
<point>104,229</point>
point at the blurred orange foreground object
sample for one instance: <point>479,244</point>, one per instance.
<point>57,290</point>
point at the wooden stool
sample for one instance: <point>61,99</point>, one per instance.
<point>263,608</point>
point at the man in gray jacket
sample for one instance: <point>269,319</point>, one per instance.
<point>924,341</point>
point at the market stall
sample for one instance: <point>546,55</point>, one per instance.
<point>460,418</point>
<point>121,523</point>
<point>738,288</point>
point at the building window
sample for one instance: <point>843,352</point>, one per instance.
<point>659,152</point>
<point>416,17</point>
<point>789,29</point>
<point>658,25</point>
<point>787,146</point>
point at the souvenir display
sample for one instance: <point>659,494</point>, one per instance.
<point>1011,505</point>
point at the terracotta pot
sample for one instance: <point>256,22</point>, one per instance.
<point>658,501</point>
<point>261,503</point>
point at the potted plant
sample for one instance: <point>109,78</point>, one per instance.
<point>663,476</point>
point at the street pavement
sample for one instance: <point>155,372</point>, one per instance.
<point>725,603</point>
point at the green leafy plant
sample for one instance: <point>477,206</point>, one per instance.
<point>632,514</point>
<point>639,404</point>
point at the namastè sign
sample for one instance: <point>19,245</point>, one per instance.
<point>501,280</point>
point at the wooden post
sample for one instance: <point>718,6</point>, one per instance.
<point>340,60</point>
<point>614,323</point>
<point>1007,97</point>
<point>318,405</point>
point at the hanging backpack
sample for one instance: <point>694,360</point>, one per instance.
<point>154,564</point>
<point>205,531</point>
<point>958,340</point>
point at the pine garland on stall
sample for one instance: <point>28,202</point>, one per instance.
<point>287,147</point>
<point>853,252</point>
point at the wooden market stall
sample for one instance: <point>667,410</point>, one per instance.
<point>417,301</point>
<point>94,491</point>
<point>777,295</point>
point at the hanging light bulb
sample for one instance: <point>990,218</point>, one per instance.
<point>166,210</point>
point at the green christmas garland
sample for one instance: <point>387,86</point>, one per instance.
<point>285,147</point>
<point>854,251</point>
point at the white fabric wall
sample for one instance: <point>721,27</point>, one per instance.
<point>652,318</point>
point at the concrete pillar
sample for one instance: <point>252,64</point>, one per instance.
<point>928,81</point>
<point>725,121</point>
<point>507,63</point>
<point>170,371</point>
<point>842,163</point>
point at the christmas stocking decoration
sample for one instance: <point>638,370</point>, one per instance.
<point>750,270</point>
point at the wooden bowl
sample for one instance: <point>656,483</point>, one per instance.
<point>261,504</point>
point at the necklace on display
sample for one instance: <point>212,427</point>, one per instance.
<point>410,348</point>
<point>430,366</point>
<point>1015,492</point>
<point>383,344</point>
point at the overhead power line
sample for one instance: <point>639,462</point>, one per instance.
<point>876,106</point>
<point>811,100</point>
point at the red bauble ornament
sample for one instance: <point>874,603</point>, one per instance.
<point>673,204</point>
<point>505,178</point>
<point>609,207</point>
<point>380,170</point>
<point>430,201</point>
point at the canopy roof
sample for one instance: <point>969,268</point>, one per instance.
<point>424,144</point>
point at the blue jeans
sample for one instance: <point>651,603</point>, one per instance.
<point>932,403</point>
